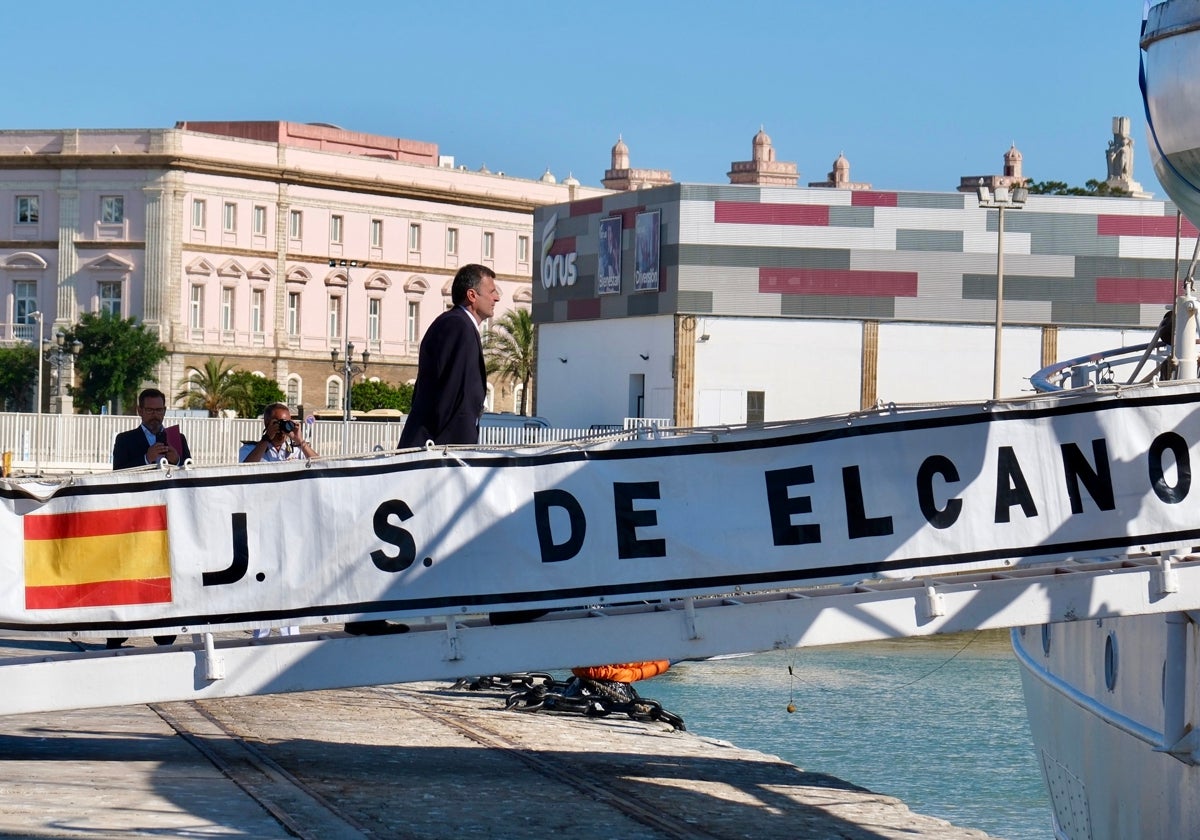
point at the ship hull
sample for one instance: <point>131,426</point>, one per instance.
<point>1101,749</point>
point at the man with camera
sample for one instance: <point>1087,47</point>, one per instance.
<point>282,439</point>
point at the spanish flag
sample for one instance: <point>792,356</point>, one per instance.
<point>97,558</point>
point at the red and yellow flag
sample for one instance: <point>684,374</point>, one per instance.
<point>97,558</point>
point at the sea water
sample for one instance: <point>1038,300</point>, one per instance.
<point>938,722</point>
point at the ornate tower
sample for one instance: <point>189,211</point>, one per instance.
<point>762,168</point>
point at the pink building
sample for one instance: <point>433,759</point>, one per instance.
<point>268,243</point>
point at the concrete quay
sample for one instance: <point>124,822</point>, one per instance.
<point>419,760</point>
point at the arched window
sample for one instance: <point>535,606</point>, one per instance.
<point>333,392</point>
<point>293,392</point>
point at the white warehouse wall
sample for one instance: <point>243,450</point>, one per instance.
<point>593,385</point>
<point>805,368</point>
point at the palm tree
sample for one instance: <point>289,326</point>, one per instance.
<point>212,387</point>
<point>509,350</point>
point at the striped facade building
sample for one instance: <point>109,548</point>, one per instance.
<point>773,303</point>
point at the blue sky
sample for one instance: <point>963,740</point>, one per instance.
<point>915,92</point>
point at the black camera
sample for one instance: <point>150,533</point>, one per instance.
<point>286,426</point>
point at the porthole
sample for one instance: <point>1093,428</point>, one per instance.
<point>1046,639</point>
<point>1110,661</point>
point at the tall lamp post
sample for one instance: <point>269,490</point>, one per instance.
<point>36,341</point>
<point>61,357</point>
<point>1001,200</point>
<point>346,366</point>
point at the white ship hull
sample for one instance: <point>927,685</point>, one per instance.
<point>1101,751</point>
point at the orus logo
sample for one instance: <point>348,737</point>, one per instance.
<point>557,270</point>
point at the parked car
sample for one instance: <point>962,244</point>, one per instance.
<point>509,420</point>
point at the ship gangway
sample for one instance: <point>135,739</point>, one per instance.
<point>53,675</point>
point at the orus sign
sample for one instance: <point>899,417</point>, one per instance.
<point>559,269</point>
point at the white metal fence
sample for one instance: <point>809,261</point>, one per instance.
<point>84,442</point>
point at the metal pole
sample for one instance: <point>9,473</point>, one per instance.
<point>999,303</point>
<point>346,372</point>
<point>37,420</point>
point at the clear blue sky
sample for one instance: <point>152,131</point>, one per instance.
<point>915,92</point>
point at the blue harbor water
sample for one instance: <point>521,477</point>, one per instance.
<point>937,722</point>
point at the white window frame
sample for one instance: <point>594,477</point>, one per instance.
<point>412,324</point>
<point>523,249</point>
<point>293,391</point>
<point>196,307</point>
<point>27,210</point>
<point>112,209</point>
<point>295,224</point>
<point>452,242</point>
<point>336,228</point>
<point>293,313</point>
<point>374,310</point>
<point>260,220</point>
<point>106,301</point>
<point>25,302</point>
<point>227,311</point>
<point>377,233</point>
<point>333,385</point>
<point>199,213</point>
<point>335,317</point>
<point>414,237</point>
<point>489,245</point>
<point>229,217</point>
<point>258,300</point>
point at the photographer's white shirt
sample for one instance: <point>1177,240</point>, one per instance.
<point>287,451</point>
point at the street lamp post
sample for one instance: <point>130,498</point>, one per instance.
<point>348,369</point>
<point>1002,200</point>
<point>37,344</point>
<point>61,357</point>
<point>35,443</point>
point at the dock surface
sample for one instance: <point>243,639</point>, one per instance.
<point>418,760</point>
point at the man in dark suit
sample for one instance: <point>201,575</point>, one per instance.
<point>451,375</point>
<point>451,383</point>
<point>147,444</point>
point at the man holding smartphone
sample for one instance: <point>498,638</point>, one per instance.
<point>148,444</point>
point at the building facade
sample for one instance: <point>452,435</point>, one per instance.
<point>712,304</point>
<point>269,244</point>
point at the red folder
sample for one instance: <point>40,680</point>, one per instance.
<point>174,439</point>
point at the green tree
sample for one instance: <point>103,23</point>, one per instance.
<point>18,373</point>
<point>211,387</point>
<point>1092,187</point>
<point>509,350</point>
<point>366,396</point>
<point>260,392</point>
<point>118,355</point>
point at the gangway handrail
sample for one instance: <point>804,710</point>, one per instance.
<point>452,647</point>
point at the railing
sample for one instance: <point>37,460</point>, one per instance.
<point>84,442</point>
<point>1100,368</point>
<point>1149,361</point>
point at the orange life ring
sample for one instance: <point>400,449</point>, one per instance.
<point>623,672</point>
